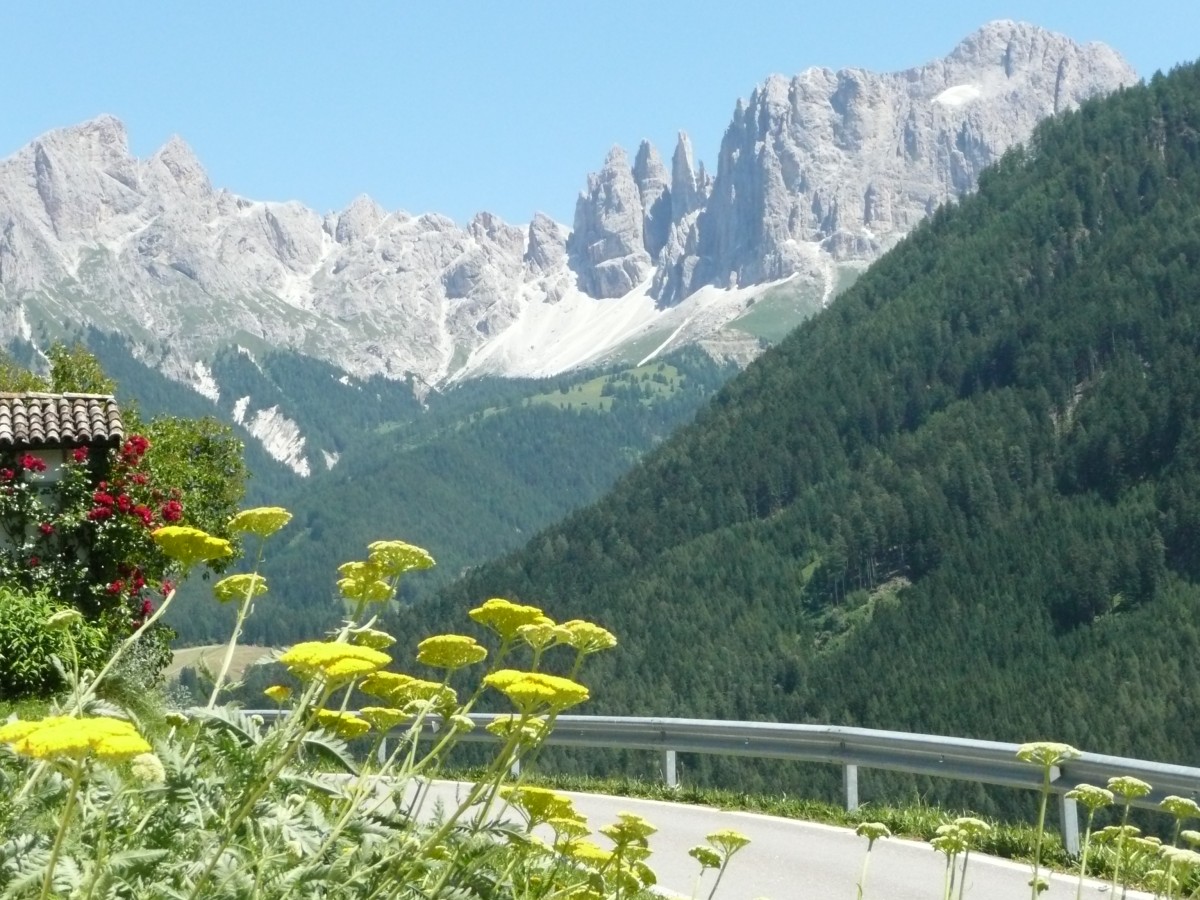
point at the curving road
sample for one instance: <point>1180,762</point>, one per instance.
<point>791,860</point>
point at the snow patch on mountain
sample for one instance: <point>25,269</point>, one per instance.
<point>239,409</point>
<point>959,95</point>
<point>281,438</point>
<point>203,382</point>
<point>331,458</point>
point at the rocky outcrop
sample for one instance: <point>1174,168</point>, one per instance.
<point>852,159</point>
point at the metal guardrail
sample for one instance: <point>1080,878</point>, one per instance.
<point>963,759</point>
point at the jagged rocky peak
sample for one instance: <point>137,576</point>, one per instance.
<point>688,191</point>
<point>362,217</point>
<point>607,247</point>
<point>545,244</point>
<point>851,160</point>
<point>654,189</point>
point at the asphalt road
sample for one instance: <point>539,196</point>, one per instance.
<point>790,860</point>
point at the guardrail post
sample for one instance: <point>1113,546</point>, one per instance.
<point>850,783</point>
<point>1070,824</point>
<point>515,769</point>
<point>669,769</point>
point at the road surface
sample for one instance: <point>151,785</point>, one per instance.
<point>792,860</point>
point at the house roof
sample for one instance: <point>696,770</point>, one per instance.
<point>59,420</point>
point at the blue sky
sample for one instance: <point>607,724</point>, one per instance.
<point>454,107</point>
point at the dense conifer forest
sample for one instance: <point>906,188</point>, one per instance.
<point>965,499</point>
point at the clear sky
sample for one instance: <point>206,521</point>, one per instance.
<point>453,107</point>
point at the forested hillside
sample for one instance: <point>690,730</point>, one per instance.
<point>965,499</point>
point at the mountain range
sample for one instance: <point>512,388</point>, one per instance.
<point>816,176</point>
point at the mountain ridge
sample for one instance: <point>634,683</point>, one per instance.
<point>91,236</point>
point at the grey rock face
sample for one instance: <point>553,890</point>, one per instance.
<point>853,159</point>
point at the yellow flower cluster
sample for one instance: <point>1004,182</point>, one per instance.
<point>371,637</point>
<point>531,691</point>
<point>1046,753</point>
<point>396,557</point>
<point>587,637</point>
<point>383,718</point>
<point>190,545</point>
<point>363,581</point>
<point>450,651</point>
<point>540,804</point>
<point>345,725</point>
<point>240,587</point>
<point>61,737</point>
<point>532,728</point>
<point>400,690</point>
<point>628,829</point>
<point>279,693</point>
<point>262,520</point>
<point>332,660</point>
<point>505,617</point>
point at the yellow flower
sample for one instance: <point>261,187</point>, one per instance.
<point>542,633</point>
<point>239,587</point>
<point>728,841</point>
<point>535,690</point>
<point>450,651</point>
<point>586,852</point>
<point>1127,787</point>
<point>505,617</point>
<point>1091,796</point>
<point>971,827</point>
<point>333,660</point>
<point>63,619</point>
<point>345,725</point>
<point>370,637</point>
<point>363,581</point>
<point>540,804</point>
<point>1180,807</point>
<point>628,829</point>
<point>399,689</point>
<point>383,718</point>
<point>706,856</point>
<point>587,637</point>
<point>263,520</point>
<point>279,693</point>
<point>397,557</point>
<point>59,737</point>
<point>1045,753</point>
<point>190,545</point>
<point>532,728</point>
<point>568,827</point>
<point>873,831</point>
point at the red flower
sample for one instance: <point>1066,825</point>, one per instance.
<point>135,448</point>
<point>103,498</point>
<point>7,474</point>
<point>167,586</point>
<point>32,463</point>
<point>147,609</point>
<point>172,511</point>
<point>145,513</point>
<point>124,503</point>
<point>139,478</point>
<point>46,528</point>
<point>99,513</point>
<point>34,562</point>
<point>116,587</point>
<point>80,454</point>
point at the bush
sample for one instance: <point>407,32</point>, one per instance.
<point>28,645</point>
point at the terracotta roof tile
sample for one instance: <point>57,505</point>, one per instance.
<point>49,420</point>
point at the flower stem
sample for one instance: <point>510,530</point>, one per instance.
<point>1041,827</point>
<point>68,810</point>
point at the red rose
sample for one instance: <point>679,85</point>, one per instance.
<point>124,503</point>
<point>32,463</point>
<point>99,513</point>
<point>147,609</point>
<point>46,528</point>
<point>139,478</point>
<point>80,454</point>
<point>116,587</point>
<point>167,586</point>
<point>103,498</point>
<point>172,511</point>
<point>34,562</point>
<point>7,474</point>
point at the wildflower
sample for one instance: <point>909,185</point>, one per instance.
<point>190,545</point>
<point>1192,837</point>
<point>568,827</point>
<point>450,651</point>
<point>505,617</point>
<point>63,619</point>
<point>334,661</point>
<point>728,841</point>
<point>534,690</point>
<point>396,557</point>
<point>587,637</point>
<point>873,831</point>
<point>363,581</point>
<point>972,828</point>
<point>280,693</point>
<point>1091,796</point>
<point>629,828</point>
<point>370,637</point>
<point>1180,807</point>
<point>59,737</point>
<point>586,852</point>
<point>532,728</point>
<point>383,718</point>
<point>1127,787</point>
<point>540,804</point>
<point>542,633</point>
<point>461,723</point>
<point>1046,753</point>
<point>706,856</point>
<point>262,520</point>
<point>148,768</point>
<point>345,725</point>
<point>240,587</point>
